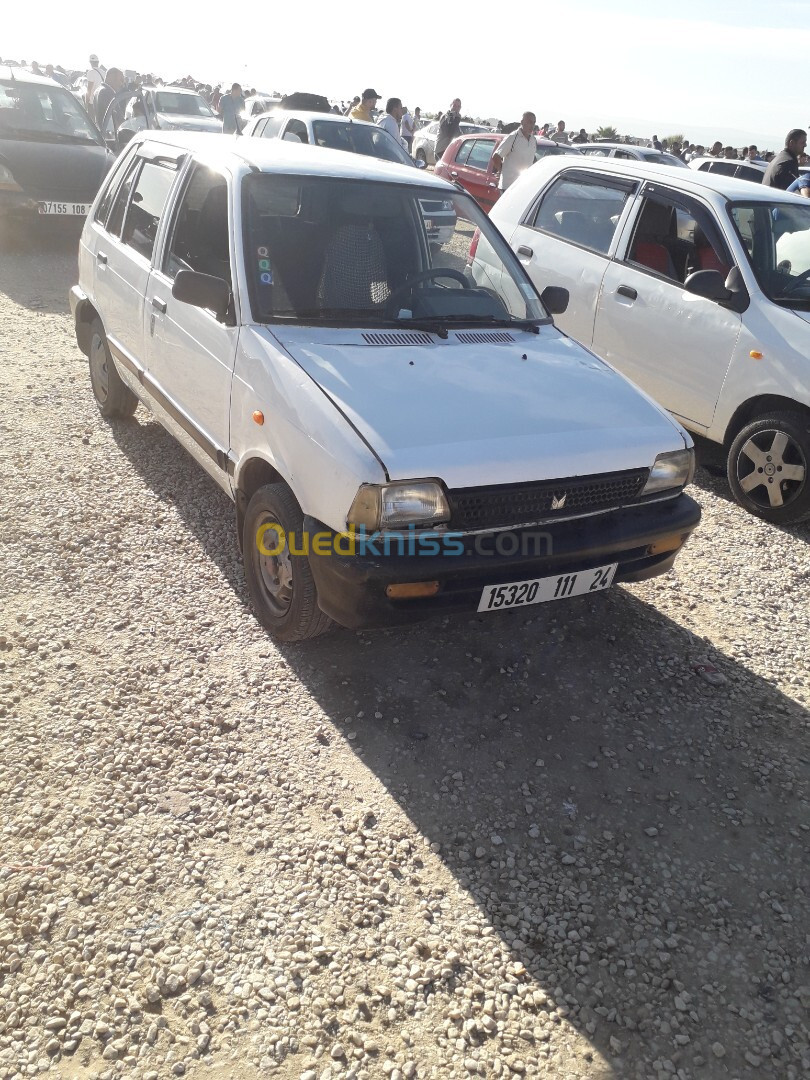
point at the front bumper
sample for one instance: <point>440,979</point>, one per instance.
<point>352,588</point>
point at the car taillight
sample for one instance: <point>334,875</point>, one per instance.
<point>474,245</point>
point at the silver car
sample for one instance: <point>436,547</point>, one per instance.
<point>424,141</point>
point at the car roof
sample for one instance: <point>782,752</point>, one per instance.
<point>761,165</point>
<point>277,155</point>
<point>22,75</point>
<point>173,90</point>
<point>305,117</point>
<point>729,187</point>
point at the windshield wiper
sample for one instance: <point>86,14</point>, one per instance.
<point>330,316</point>
<point>532,325</point>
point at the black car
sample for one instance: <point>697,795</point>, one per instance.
<point>52,156</point>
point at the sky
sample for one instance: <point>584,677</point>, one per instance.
<point>707,69</point>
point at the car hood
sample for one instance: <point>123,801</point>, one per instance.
<point>179,122</point>
<point>54,170</point>
<point>480,412</point>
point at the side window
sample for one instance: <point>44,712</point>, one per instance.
<point>623,154</point>
<point>116,218</point>
<point>199,239</point>
<point>675,241</point>
<point>259,128</point>
<point>464,151</point>
<point>117,171</point>
<point>299,128</point>
<point>272,127</point>
<point>584,212</point>
<point>480,154</point>
<point>146,207</point>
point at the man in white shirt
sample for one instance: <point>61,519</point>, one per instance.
<point>516,153</point>
<point>94,77</point>
<point>407,127</point>
<point>393,115</point>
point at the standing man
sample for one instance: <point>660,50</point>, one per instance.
<point>230,105</point>
<point>582,137</point>
<point>784,168</point>
<point>559,136</point>
<point>393,114</point>
<point>354,104</point>
<point>407,127</point>
<point>449,127</point>
<point>516,153</point>
<point>106,92</point>
<point>57,76</point>
<point>94,80</point>
<point>655,143</point>
<point>752,154</point>
<point>365,110</point>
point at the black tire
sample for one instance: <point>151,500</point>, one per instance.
<point>280,583</point>
<point>769,467</point>
<point>113,396</point>
<point>420,155</point>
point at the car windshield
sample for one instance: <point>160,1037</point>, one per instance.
<point>776,237</point>
<point>181,104</point>
<point>351,252</point>
<point>43,113</point>
<point>359,139</point>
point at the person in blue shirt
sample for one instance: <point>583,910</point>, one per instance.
<point>230,106</point>
<point>801,186</point>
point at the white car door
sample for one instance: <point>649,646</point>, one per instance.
<point>567,237</point>
<point>190,355</point>
<point>677,346</point>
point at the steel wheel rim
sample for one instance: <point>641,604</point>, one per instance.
<point>99,374</point>
<point>274,572</point>
<point>771,469</point>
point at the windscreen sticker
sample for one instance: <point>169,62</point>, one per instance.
<point>265,270</point>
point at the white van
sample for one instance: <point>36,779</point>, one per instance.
<point>696,286</point>
<point>398,440</point>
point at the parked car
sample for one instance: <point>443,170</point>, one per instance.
<point>424,141</point>
<point>697,287</point>
<point>259,103</point>
<point>744,170</point>
<point>398,441</point>
<point>156,108</point>
<point>337,132</point>
<point>468,161</point>
<point>52,156</point>
<point>629,152</point>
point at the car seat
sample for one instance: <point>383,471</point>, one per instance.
<point>649,248</point>
<point>355,274</point>
<point>211,254</point>
<point>706,258</point>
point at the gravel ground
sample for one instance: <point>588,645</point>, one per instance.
<point>540,844</point>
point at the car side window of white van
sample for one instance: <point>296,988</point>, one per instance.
<point>583,209</point>
<point>200,235</point>
<point>146,206</point>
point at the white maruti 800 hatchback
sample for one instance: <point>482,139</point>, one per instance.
<point>399,439</point>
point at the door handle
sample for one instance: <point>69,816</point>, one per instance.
<point>453,173</point>
<point>159,305</point>
<point>101,258</point>
<point>523,250</point>
<point>628,291</point>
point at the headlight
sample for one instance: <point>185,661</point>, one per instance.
<point>392,506</point>
<point>6,179</point>
<point>673,470</point>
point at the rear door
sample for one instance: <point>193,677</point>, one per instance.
<point>567,237</point>
<point>675,345</point>
<point>476,175</point>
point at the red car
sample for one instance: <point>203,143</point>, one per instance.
<point>468,161</point>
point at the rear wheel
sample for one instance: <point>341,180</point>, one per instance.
<point>769,468</point>
<point>113,396</point>
<point>281,585</point>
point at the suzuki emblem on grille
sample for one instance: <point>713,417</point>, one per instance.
<point>558,502</point>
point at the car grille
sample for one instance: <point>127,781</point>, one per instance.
<point>500,506</point>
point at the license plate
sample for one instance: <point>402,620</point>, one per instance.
<point>541,590</point>
<point>65,209</point>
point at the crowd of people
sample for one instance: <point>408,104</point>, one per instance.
<point>99,87</point>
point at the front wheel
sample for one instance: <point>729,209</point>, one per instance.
<point>279,579</point>
<point>769,468</point>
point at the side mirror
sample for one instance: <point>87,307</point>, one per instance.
<point>203,291</point>
<point>555,299</point>
<point>709,284</point>
<point>419,163</point>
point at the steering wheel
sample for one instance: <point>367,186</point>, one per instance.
<point>426,275</point>
<point>802,279</point>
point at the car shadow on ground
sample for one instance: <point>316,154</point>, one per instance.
<point>42,256</point>
<point>711,477</point>
<point>620,814</point>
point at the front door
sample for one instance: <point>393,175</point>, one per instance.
<point>472,168</point>
<point>675,345</point>
<point>190,355</point>
<point>567,237</point>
